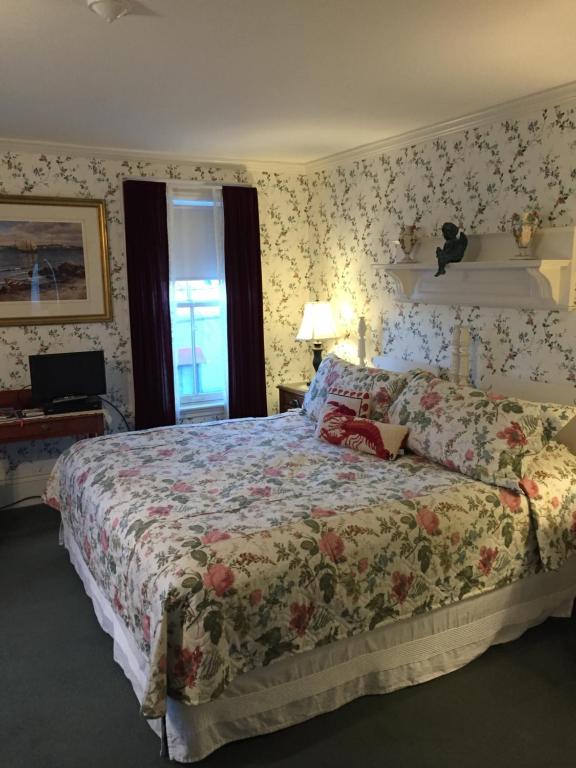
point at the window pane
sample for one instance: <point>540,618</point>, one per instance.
<point>199,339</point>
<point>210,348</point>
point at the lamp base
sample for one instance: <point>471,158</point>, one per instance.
<point>317,359</point>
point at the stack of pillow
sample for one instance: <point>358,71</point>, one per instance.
<point>484,436</point>
<point>350,405</point>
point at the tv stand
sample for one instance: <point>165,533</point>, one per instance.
<point>88,423</point>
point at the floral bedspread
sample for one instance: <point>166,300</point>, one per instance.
<point>224,547</point>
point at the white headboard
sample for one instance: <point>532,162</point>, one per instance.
<point>459,359</point>
<point>398,364</point>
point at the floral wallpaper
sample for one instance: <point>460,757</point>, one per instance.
<point>477,178</point>
<point>286,264</point>
<point>321,235</point>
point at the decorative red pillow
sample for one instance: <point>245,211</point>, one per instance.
<point>366,435</point>
<point>348,402</point>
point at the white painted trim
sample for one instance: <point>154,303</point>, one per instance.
<point>14,488</point>
<point>200,413</point>
<point>134,155</point>
<point>506,110</point>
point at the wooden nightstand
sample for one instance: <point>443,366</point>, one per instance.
<point>292,395</point>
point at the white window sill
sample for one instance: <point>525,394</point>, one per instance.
<point>201,406</point>
<point>202,412</point>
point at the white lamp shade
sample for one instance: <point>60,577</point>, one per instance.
<point>318,322</point>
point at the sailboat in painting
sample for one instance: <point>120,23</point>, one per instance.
<point>26,246</point>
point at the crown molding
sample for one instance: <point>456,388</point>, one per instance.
<point>506,110</point>
<point>134,155</point>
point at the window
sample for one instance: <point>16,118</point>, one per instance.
<point>198,299</point>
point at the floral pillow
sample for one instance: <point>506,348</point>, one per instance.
<point>366,435</point>
<point>554,415</point>
<point>386,389</point>
<point>346,402</point>
<point>383,386</point>
<point>465,429</point>
<point>315,397</point>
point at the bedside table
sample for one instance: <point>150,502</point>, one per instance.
<point>292,395</point>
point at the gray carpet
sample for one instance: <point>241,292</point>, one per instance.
<point>64,703</point>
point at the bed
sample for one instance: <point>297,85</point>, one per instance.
<point>253,576</point>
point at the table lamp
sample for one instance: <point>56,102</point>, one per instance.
<point>317,326</point>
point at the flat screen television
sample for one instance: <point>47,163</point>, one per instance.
<point>69,374</point>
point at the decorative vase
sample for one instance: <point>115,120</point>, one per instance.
<point>407,239</point>
<point>524,225</point>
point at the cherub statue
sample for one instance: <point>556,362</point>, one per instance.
<point>454,247</point>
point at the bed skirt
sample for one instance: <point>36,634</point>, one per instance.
<point>296,689</point>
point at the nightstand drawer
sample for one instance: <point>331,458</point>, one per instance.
<point>290,400</point>
<point>291,396</point>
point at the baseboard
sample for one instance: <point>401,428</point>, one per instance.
<point>13,489</point>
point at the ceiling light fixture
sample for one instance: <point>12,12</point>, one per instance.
<point>110,10</point>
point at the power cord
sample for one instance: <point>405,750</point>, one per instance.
<point>19,501</point>
<point>118,411</point>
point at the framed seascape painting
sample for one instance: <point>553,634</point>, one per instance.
<point>53,261</point>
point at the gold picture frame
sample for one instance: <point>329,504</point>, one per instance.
<point>54,265</point>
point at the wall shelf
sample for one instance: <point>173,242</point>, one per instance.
<point>534,283</point>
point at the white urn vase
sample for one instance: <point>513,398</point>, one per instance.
<point>407,239</point>
<point>524,225</point>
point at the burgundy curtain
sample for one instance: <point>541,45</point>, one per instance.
<point>148,295</point>
<point>246,373</point>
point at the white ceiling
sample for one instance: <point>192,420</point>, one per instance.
<point>288,80</point>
